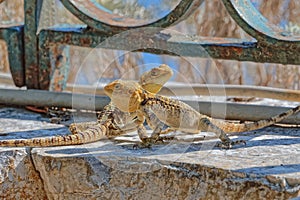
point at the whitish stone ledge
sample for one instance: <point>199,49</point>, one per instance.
<point>268,167</point>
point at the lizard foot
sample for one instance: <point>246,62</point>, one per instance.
<point>158,139</point>
<point>166,138</point>
<point>73,128</point>
<point>229,144</point>
<point>149,141</point>
<point>142,145</point>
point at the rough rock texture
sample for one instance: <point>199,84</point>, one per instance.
<point>95,171</point>
<point>18,177</point>
<point>268,167</point>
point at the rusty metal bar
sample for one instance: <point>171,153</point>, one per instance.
<point>231,111</point>
<point>80,36</point>
<point>59,75</point>
<point>32,10</point>
<point>13,36</point>
<point>154,41</point>
<point>267,35</point>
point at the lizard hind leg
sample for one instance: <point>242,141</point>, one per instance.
<point>206,125</point>
<point>75,128</point>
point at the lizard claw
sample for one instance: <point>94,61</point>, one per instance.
<point>145,143</point>
<point>229,144</point>
<point>148,141</point>
<point>142,145</point>
<point>166,138</point>
<point>158,140</point>
<point>238,142</point>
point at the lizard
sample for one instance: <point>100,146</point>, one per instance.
<point>107,125</point>
<point>152,81</point>
<point>129,96</point>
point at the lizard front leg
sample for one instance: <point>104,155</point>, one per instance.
<point>142,132</point>
<point>156,125</point>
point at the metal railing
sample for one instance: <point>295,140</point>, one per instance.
<point>29,52</point>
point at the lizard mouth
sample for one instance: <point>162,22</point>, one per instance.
<point>108,89</point>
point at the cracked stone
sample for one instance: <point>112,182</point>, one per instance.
<point>266,168</point>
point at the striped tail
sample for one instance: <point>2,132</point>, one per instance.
<point>92,134</point>
<point>232,127</point>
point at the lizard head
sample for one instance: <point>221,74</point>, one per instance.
<point>124,94</point>
<point>154,79</point>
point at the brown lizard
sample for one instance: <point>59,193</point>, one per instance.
<point>123,122</point>
<point>112,122</point>
<point>129,96</point>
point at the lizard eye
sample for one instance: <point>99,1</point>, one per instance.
<point>154,73</point>
<point>118,86</point>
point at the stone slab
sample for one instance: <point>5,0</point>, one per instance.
<point>268,167</point>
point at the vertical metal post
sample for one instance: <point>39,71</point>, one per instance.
<point>13,36</point>
<point>60,55</point>
<point>32,11</point>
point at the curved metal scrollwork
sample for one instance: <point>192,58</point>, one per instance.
<point>256,25</point>
<point>272,44</point>
<point>110,23</point>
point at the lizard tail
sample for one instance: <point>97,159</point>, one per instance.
<point>92,134</point>
<point>232,127</point>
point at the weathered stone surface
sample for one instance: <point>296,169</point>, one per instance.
<point>268,167</point>
<point>18,177</point>
<point>104,170</point>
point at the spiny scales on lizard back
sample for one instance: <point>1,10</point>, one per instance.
<point>176,114</point>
